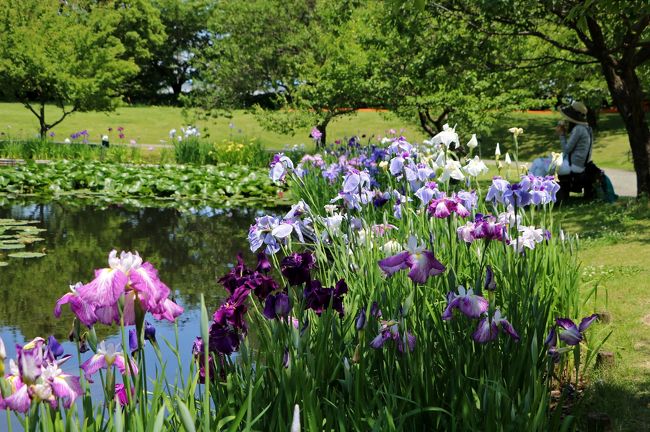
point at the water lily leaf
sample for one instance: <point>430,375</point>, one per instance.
<point>26,254</point>
<point>9,246</point>
<point>30,240</point>
<point>4,263</point>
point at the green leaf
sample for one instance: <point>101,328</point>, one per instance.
<point>26,255</point>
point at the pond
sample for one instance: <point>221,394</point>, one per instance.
<point>189,249</point>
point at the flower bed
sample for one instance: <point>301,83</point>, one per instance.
<point>394,295</point>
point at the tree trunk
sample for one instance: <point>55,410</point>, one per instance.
<point>627,95</point>
<point>41,120</point>
<point>322,128</point>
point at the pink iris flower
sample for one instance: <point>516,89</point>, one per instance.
<point>126,275</point>
<point>421,262</point>
<point>105,357</point>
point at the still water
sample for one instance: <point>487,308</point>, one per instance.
<point>190,250</point>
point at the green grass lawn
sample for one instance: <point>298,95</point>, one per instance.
<point>615,254</point>
<point>151,125</point>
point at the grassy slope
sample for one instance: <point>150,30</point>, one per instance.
<point>615,254</point>
<point>150,125</point>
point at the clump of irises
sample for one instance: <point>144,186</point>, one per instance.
<point>229,326</point>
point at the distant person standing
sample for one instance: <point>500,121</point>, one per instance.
<point>577,139</point>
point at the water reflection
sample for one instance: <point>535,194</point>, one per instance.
<point>190,250</point>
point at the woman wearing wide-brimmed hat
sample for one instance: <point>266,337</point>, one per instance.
<point>577,147</point>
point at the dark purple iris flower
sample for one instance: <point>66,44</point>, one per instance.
<point>54,349</point>
<point>297,267</point>
<point>263,264</point>
<point>490,282</point>
<point>231,312</point>
<point>277,306</point>
<point>224,339</point>
<point>573,334</point>
<point>149,332</point>
<point>318,298</point>
<point>488,329</point>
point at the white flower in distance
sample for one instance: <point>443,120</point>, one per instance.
<point>473,142</point>
<point>516,131</point>
<point>507,159</point>
<point>447,137</point>
<point>497,151</point>
<point>529,237</point>
<point>476,167</point>
<point>452,169</point>
<point>556,159</point>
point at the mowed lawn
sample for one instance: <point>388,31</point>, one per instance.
<point>615,256</point>
<point>151,125</point>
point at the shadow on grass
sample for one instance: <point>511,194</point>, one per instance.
<point>625,220</point>
<point>626,403</point>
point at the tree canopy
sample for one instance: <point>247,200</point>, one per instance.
<point>60,53</point>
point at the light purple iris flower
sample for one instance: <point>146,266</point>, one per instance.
<point>316,134</point>
<point>467,302</point>
<point>488,329</point>
<point>280,166</point>
<point>269,231</point>
<point>389,330</point>
<point>421,262</point>
<point>105,357</point>
<point>428,192</point>
<point>355,181</point>
<point>572,334</point>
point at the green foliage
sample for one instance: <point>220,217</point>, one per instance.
<point>185,34</point>
<point>318,69</point>
<point>57,52</point>
<point>226,185</point>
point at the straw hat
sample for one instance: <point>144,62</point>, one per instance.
<point>575,113</point>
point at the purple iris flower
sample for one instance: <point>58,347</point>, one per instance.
<point>149,332</point>
<point>318,298</point>
<point>277,306</point>
<point>232,311</point>
<point>488,330</point>
<point>571,334</point>
<point>54,349</point>
<point>490,282</point>
<point>389,331</point>
<point>421,262</point>
<point>224,339</point>
<point>467,302</point>
<point>297,267</point>
<point>133,340</point>
<point>380,198</point>
<point>428,192</point>
<point>360,322</point>
<point>84,311</point>
<point>483,227</point>
<point>280,166</point>
<point>355,181</point>
<point>443,207</point>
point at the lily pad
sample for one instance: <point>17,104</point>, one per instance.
<point>14,222</point>
<point>4,263</point>
<point>26,255</point>
<point>29,239</point>
<point>9,246</point>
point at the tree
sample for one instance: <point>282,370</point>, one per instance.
<point>185,26</point>
<point>433,70</point>
<point>53,52</point>
<point>615,35</point>
<point>302,55</point>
